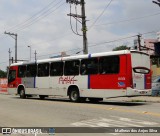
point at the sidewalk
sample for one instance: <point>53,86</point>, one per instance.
<point>3,92</point>
<point>154,99</point>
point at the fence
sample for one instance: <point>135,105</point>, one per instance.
<point>3,84</point>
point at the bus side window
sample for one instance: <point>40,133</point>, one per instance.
<point>56,69</point>
<point>109,65</point>
<point>89,66</point>
<point>83,69</point>
<point>31,70</point>
<point>22,71</point>
<point>72,67</point>
<point>43,70</point>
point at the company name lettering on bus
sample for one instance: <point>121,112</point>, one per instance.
<point>67,80</point>
<point>139,76</point>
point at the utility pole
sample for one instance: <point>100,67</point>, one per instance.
<point>83,17</point>
<point>35,55</point>
<point>9,56</point>
<point>14,36</point>
<point>139,42</point>
<point>84,29</point>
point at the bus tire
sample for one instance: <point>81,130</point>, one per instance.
<point>22,94</point>
<point>74,95</point>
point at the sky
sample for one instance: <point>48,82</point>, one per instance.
<point>45,27</point>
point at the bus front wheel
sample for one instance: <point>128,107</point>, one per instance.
<point>22,94</point>
<point>74,95</point>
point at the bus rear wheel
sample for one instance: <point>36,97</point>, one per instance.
<point>22,94</point>
<point>74,95</point>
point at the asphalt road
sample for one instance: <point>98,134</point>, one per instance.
<point>59,112</point>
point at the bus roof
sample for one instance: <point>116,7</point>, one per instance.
<point>111,53</point>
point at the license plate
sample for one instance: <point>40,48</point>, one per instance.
<point>143,92</point>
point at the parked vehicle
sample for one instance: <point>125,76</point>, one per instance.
<point>156,83</point>
<point>156,86</point>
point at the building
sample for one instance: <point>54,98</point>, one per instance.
<point>63,54</point>
<point>147,45</point>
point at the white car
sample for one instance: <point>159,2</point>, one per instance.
<point>156,84</point>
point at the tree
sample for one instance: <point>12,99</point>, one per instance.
<point>122,47</point>
<point>3,74</point>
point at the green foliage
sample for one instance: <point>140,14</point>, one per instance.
<point>122,47</point>
<point>3,74</point>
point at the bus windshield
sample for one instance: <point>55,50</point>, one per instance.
<point>11,76</point>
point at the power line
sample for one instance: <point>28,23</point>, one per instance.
<point>108,4</point>
<point>32,17</point>
<point>80,49</point>
<point>120,39</point>
<point>39,17</point>
<point>76,21</point>
<point>157,2</point>
<point>112,41</point>
<point>39,43</point>
<point>83,22</point>
<point>91,45</point>
<point>129,20</point>
<point>104,24</point>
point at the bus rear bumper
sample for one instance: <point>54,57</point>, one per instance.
<point>139,92</point>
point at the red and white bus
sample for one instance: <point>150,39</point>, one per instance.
<point>93,76</point>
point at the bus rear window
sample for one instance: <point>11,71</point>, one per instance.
<point>141,70</point>
<point>11,76</point>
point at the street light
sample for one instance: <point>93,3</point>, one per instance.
<point>30,52</point>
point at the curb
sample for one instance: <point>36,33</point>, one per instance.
<point>152,99</point>
<point>4,92</point>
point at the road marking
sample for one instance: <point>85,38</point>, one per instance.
<point>114,121</point>
<point>124,110</point>
<point>98,106</point>
<point>135,121</point>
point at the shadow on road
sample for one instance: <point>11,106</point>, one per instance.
<point>116,103</point>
